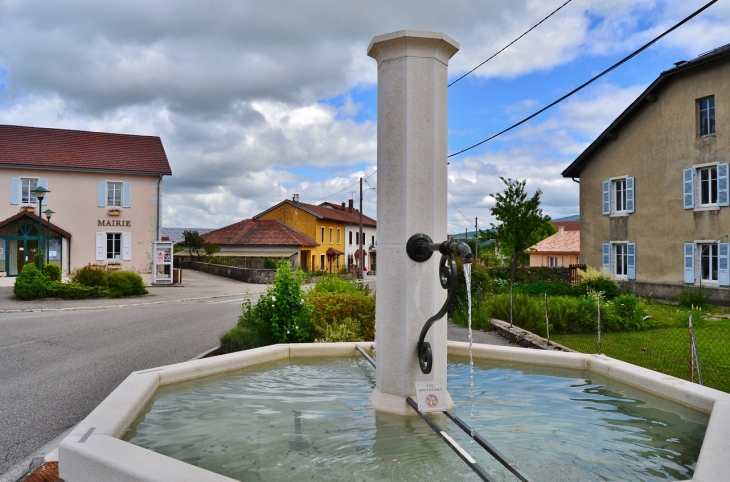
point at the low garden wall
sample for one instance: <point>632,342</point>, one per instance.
<point>261,276</point>
<point>665,291</point>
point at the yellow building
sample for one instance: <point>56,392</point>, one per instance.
<point>323,224</point>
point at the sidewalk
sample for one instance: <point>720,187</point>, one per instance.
<point>195,286</point>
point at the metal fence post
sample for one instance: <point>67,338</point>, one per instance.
<point>598,300</point>
<point>547,321</point>
<point>693,355</point>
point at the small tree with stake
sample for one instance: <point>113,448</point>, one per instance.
<point>521,221</point>
<point>193,241</point>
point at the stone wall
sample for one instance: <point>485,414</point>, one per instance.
<point>261,276</point>
<point>670,292</point>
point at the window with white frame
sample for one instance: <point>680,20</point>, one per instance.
<point>620,259</point>
<point>114,194</point>
<point>552,261</point>
<point>707,262</point>
<point>330,235</point>
<point>706,116</point>
<point>113,245</point>
<point>705,186</point>
<point>321,262</point>
<point>322,234</point>
<point>618,195</point>
<point>27,185</point>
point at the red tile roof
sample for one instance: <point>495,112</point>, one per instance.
<point>330,211</point>
<point>264,232</point>
<point>81,150</point>
<point>565,242</point>
<point>568,225</point>
<point>34,217</point>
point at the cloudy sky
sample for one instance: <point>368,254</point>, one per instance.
<point>255,100</point>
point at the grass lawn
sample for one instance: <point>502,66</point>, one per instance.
<point>665,348</point>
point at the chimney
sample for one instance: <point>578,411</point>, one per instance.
<point>296,198</point>
<point>350,207</point>
<point>561,229</point>
<point>343,205</point>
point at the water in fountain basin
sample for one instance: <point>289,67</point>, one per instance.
<point>312,421</point>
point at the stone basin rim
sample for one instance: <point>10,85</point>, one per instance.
<point>94,451</point>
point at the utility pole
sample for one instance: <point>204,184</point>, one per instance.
<point>476,237</point>
<point>362,255</point>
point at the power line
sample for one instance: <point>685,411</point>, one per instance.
<point>625,59</point>
<point>348,187</point>
<point>457,209</point>
<point>509,44</point>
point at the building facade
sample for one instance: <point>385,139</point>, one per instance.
<point>654,186</point>
<point>330,225</point>
<point>560,249</point>
<point>104,191</point>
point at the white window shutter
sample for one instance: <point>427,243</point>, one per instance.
<point>689,263</point>
<point>629,194</point>
<point>100,246</point>
<point>606,197</point>
<point>607,255</point>
<point>101,194</point>
<point>631,260</point>
<point>127,246</point>
<point>127,195</point>
<point>14,190</point>
<point>44,184</point>
<point>723,260</point>
<point>722,192</point>
<point>689,189</point>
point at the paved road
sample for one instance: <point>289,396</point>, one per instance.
<point>57,366</point>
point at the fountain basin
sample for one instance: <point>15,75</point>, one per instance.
<point>94,452</point>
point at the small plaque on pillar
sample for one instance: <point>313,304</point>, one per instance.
<point>432,396</point>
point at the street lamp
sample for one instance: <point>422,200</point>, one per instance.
<point>48,213</point>
<point>40,193</point>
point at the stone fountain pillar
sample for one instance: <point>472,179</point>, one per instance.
<point>412,184</point>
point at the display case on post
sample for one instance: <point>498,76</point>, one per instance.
<point>162,262</point>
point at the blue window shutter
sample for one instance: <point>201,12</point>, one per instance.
<point>723,260</point>
<point>689,263</point>
<point>14,190</point>
<point>127,246</point>
<point>101,194</point>
<point>44,184</point>
<point>606,197</point>
<point>631,260</point>
<point>607,255</point>
<point>127,195</point>
<point>689,190</point>
<point>629,194</point>
<point>722,193</point>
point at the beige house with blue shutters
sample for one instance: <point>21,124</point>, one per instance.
<point>105,191</point>
<point>654,205</point>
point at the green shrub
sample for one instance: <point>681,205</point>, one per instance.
<point>572,314</point>
<point>30,284</point>
<point>125,283</point>
<point>552,288</point>
<point>336,284</point>
<point>53,272</point>
<point>480,315</point>
<point>239,338</point>
<point>331,309</point>
<point>628,313</point>
<point>693,298</point>
<point>528,312</point>
<point>342,331</point>
<point>76,291</point>
<point>269,263</point>
<point>90,275</point>
<point>607,287</point>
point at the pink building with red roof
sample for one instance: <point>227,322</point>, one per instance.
<point>104,191</point>
<point>560,249</point>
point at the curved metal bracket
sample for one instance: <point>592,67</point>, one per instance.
<point>419,248</point>
<point>449,281</point>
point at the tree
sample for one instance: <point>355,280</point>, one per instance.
<point>193,241</point>
<point>521,221</point>
<point>211,249</point>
